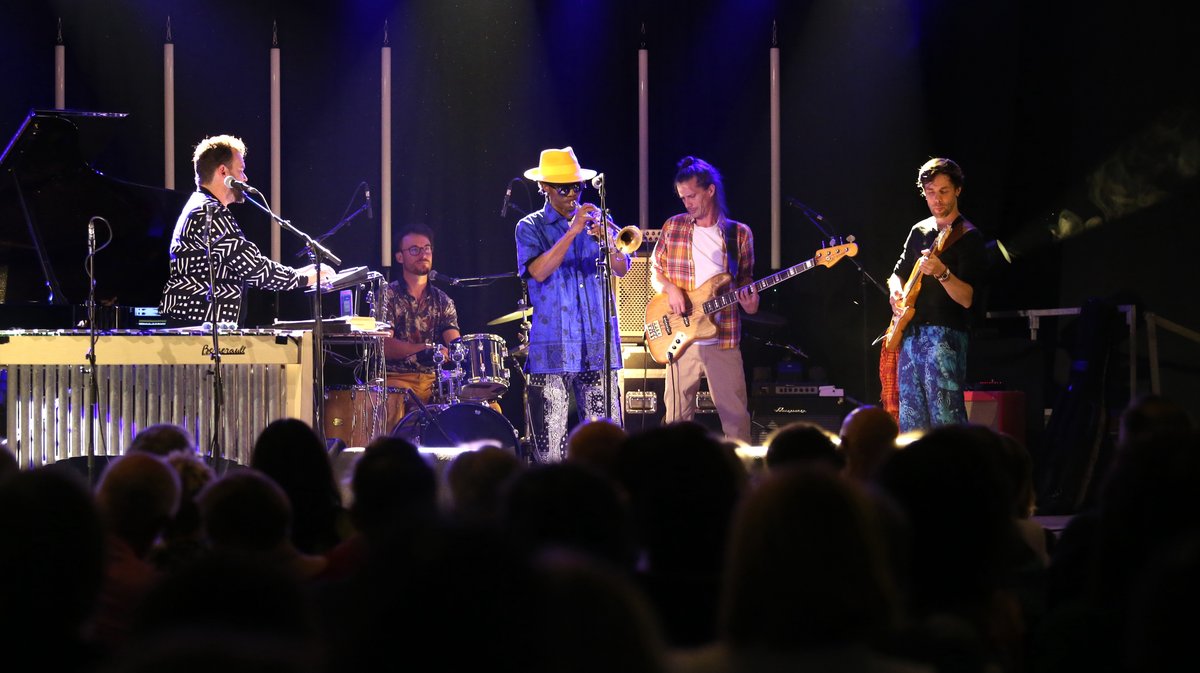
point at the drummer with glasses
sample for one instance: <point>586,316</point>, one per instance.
<point>424,319</point>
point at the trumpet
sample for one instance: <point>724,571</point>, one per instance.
<point>625,240</point>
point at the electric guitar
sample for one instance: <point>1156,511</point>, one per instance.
<point>669,333</point>
<point>907,304</point>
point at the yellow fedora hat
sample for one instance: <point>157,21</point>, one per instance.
<point>559,167</point>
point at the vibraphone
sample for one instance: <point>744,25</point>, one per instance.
<point>145,378</point>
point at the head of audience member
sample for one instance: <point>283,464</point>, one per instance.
<point>802,443</point>
<point>51,564</point>
<point>1018,465</point>
<point>683,485</point>
<point>808,567</point>
<point>292,455</point>
<point>597,444</point>
<point>138,495</point>
<point>953,488</point>
<point>564,505</point>
<point>394,487</point>
<point>183,539</point>
<point>1150,416</point>
<point>1168,588</point>
<point>8,463</point>
<point>581,598</point>
<point>868,437</point>
<point>1147,502</point>
<point>245,513</point>
<point>161,439</point>
<point>476,481</point>
<point>227,591</point>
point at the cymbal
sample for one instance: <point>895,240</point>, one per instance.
<point>521,313</point>
<point>765,318</point>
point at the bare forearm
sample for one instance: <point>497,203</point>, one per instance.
<point>546,263</point>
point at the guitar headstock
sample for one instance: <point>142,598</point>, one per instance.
<point>834,253</point>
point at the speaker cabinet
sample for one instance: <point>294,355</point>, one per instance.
<point>633,292</point>
<point>643,391</point>
<point>771,412</point>
<point>1000,410</point>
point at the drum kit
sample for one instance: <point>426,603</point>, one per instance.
<point>473,373</point>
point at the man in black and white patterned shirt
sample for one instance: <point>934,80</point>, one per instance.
<point>235,262</point>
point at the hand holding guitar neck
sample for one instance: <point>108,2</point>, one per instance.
<point>669,331</point>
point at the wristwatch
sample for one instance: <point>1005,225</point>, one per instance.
<point>943,276</point>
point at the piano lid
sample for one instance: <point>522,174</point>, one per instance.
<point>48,193</point>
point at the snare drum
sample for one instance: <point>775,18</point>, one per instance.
<point>356,414</point>
<point>457,425</point>
<point>485,377</point>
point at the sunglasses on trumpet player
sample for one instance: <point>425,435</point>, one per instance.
<point>566,189</point>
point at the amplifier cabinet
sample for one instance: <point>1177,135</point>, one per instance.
<point>771,412</point>
<point>633,292</point>
<point>1000,410</point>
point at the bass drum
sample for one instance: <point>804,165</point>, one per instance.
<point>457,425</point>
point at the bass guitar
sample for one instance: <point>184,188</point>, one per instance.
<point>906,306</point>
<point>669,333</point>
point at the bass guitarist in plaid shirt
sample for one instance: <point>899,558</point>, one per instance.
<point>694,247</point>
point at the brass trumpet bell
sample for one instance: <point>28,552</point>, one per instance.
<point>628,240</point>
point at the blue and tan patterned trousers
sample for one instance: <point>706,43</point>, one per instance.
<point>549,405</point>
<point>933,369</point>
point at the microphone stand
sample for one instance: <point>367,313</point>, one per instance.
<point>214,446</point>
<point>863,277</point>
<point>478,281</point>
<point>430,418</point>
<point>317,253</point>
<point>604,273</point>
<point>336,228</point>
<point>93,385</point>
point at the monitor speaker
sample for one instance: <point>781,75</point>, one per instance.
<point>771,412</point>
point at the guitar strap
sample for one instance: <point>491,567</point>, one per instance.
<point>731,247</point>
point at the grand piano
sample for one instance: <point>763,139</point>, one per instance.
<point>49,191</point>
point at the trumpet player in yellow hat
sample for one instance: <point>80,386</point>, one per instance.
<point>558,253</point>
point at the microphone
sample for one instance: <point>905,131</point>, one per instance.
<point>803,208</point>
<point>598,181</point>
<point>233,183</point>
<point>92,235</point>
<point>434,275</point>
<point>507,198</point>
<point>370,210</point>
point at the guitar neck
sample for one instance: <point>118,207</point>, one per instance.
<point>729,298</point>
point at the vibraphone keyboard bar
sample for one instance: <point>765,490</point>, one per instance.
<point>143,378</point>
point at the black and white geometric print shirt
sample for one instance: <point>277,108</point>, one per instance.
<point>236,263</point>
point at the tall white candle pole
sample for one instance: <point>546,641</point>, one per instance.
<point>643,134</point>
<point>169,110</point>
<point>276,163</point>
<point>385,149</point>
<point>60,71</point>
<point>775,149</point>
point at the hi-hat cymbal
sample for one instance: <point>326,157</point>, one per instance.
<point>521,313</point>
<point>764,318</point>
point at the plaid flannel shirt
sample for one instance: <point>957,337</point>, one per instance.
<point>672,261</point>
